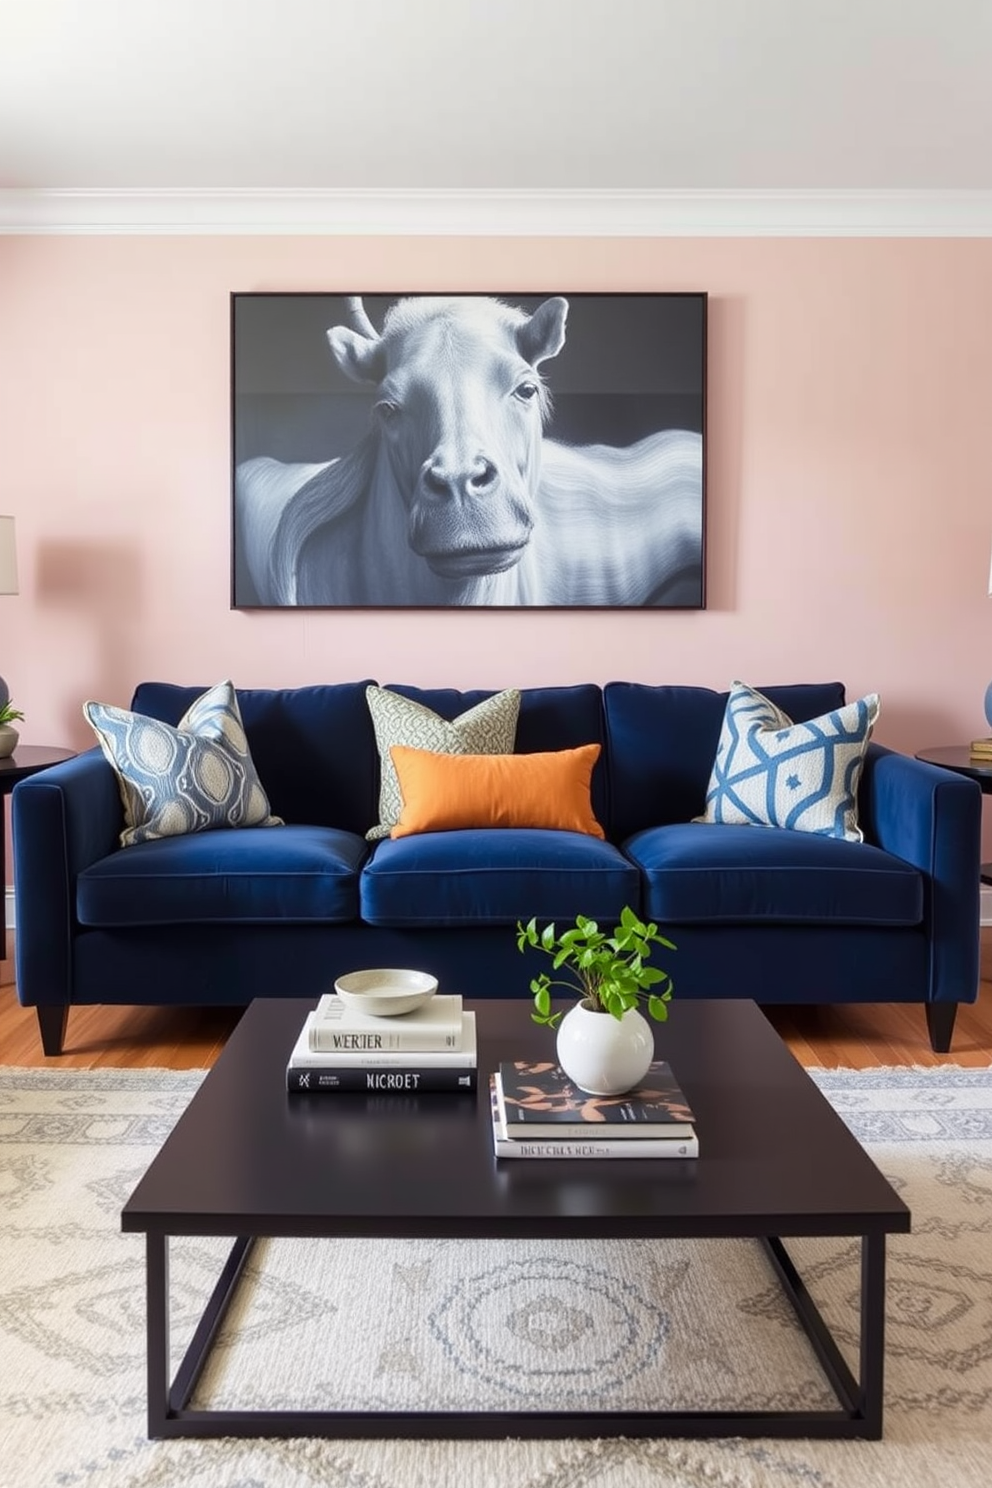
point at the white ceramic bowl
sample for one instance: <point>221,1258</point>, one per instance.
<point>385,993</point>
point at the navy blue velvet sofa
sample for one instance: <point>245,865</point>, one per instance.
<point>222,917</point>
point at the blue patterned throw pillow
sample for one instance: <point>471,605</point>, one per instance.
<point>772,772</point>
<point>191,778</point>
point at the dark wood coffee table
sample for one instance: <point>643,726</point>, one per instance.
<point>248,1160</point>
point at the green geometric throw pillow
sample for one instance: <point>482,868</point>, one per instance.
<point>772,772</point>
<point>192,778</point>
<point>488,728</point>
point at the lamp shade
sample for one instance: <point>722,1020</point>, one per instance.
<point>8,557</point>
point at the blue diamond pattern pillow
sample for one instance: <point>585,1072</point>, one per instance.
<point>186,779</point>
<point>771,772</point>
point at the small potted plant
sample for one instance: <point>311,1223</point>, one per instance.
<point>8,734</point>
<point>604,1043</point>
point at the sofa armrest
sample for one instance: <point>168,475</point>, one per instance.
<point>932,818</point>
<point>63,819</point>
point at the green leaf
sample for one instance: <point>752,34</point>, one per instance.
<point>610,970</point>
<point>526,934</point>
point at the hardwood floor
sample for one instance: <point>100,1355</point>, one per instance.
<point>858,1037</point>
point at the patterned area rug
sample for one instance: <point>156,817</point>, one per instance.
<point>498,1324</point>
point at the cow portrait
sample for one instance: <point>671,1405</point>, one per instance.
<point>459,488</point>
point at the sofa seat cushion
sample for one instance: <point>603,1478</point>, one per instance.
<point>226,876</point>
<point>696,872</point>
<point>495,876</point>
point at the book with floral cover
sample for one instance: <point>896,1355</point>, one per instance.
<point>591,1148</point>
<point>539,1100</point>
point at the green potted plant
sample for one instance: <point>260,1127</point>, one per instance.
<point>8,734</point>
<point>604,1043</point>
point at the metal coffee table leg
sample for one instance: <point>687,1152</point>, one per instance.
<point>167,1403</point>
<point>859,1400</point>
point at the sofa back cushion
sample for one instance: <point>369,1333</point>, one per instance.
<point>551,718</point>
<point>662,742</point>
<point>313,747</point>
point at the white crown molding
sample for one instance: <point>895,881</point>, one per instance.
<point>525,213</point>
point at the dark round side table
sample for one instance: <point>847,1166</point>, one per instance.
<point>27,759</point>
<point>958,757</point>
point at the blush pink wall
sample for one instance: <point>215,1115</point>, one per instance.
<point>850,474</point>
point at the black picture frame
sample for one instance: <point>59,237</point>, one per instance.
<point>484,450</point>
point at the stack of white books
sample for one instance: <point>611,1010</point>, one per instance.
<point>431,1048</point>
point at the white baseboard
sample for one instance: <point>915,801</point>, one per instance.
<point>9,904</point>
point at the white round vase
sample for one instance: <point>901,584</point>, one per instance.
<point>604,1055</point>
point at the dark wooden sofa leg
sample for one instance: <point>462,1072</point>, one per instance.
<point>53,1021</point>
<point>940,1025</point>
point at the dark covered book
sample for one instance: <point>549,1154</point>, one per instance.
<point>320,1079</point>
<point>539,1100</point>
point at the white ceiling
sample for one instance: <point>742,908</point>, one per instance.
<point>490,94</point>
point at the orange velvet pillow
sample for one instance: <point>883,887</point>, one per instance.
<point>443,792</point>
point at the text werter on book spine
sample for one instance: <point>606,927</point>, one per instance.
<point>360,1059</point>
<point>439,1025</point>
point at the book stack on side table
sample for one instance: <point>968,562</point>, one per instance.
<point>431,1048</point>
<point>981,751</point>
<point>538,1112</point>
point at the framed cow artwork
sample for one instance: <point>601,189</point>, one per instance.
<point>499,450</point>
